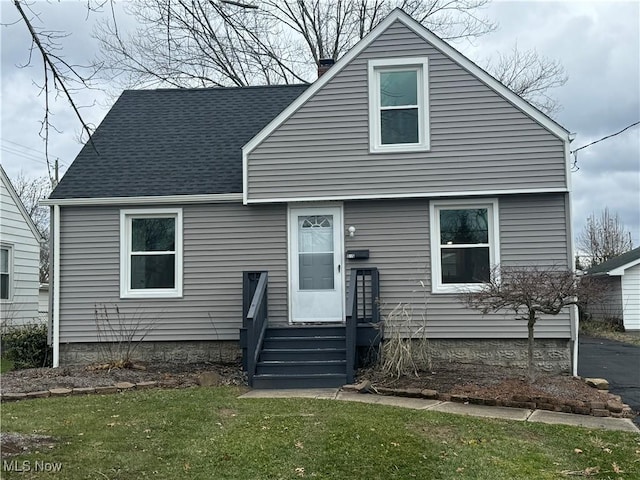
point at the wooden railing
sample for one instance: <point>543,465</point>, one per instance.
<point>255,319</point>
<point>362,307</point>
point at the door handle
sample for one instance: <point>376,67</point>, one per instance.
<point>338,268</point>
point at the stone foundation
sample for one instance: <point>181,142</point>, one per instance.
<point>550,355</point>
<point>213,351</point>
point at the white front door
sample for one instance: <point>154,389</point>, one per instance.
<point>316,276</point>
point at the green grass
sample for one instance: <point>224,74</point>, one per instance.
<point>6,365</point>
<point>207,433</point>
<point>609,331</point>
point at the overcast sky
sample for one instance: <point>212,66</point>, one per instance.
<point>598,43</point>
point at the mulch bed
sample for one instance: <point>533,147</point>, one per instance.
<point>166,376</point>
<point>501,386</point>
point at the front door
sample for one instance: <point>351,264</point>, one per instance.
<point>315,276</point>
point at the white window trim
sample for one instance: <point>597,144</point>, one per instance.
<point>10,290</point>
<point>491,204</point>
<point>126,215</point>
<point>390,64</point>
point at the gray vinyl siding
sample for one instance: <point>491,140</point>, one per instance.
<point>479,141</point>
<point>220,241</point>
<point>396,232</point>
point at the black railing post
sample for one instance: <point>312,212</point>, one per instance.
<point>255,318</point>
<point>361,308</point>
<point>375,296</point>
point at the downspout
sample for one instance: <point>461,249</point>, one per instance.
<point>56,286</point>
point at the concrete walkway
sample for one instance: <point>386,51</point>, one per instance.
<point>503,413</point>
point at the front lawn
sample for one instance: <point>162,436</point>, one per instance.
<point>209,433</point>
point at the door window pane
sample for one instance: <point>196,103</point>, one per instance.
<point>315,233</point>
<point>464,227</point>
<point>398,88</point>
<point>465,265</point>
<point>315,252</point>
<point>316,271</point>
<point>152,271</point>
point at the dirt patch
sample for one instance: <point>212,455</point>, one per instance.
<point>493,382</point>
<point>167,375</point>
<point>12,444</point>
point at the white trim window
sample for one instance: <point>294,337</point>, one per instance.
<point>151,253</point>
<point>465,244</point>
<point>399,105</point>
<point>5,273</point>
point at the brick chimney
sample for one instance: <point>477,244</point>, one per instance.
<point>324,64</point>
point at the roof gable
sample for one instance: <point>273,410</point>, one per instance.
<point>16,199</point>
<point>445,48</point>
<point>616,266</point>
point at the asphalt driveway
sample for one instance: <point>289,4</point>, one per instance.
<point>618,362</point>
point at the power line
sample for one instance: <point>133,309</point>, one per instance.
<point>21,145</point>
<point>27,155</point>
<point>575,167</point>
<point>604,138</point>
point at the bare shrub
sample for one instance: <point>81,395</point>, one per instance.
<point>405,349</point>
<point>119,335</point>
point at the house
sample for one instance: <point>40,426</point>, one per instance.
<point>290,219</point>
<point>620,279</point>
<point>43,302</point>
<point>19,259</point>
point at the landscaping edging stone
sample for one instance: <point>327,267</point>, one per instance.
<point>65,392</point>
<point>613,407</point>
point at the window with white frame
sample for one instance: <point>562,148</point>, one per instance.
<point>465,244</point>
<point>151,253</point>
<point>5,272</point>
<point>398,105</point>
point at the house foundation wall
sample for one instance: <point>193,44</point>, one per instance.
<point>550,355</point>
<point>212,351</point>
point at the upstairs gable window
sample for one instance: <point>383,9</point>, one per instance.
<point>398,105</point>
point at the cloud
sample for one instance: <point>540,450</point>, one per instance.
<point>598,43</point>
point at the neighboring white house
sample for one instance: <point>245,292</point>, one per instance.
<point>43,302</point>
<point>19,259</point>
<point>621,277</point>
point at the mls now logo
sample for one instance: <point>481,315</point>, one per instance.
<point>28,466</point>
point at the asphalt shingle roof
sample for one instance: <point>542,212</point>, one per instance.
<point>173,142</point>
<point>616,262</point>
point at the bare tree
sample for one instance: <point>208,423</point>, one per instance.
<point>186,43</point>
<point>603,237</point>
<point>31,191</point>
<point>531,292</point>
<point>60,77</point>
<point>531,76</point>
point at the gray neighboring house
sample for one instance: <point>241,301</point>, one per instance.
<point>19,259</point>
<point>620,276</point>
<point>401,176</point>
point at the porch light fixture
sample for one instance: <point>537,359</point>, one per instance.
<point>351,230</point>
